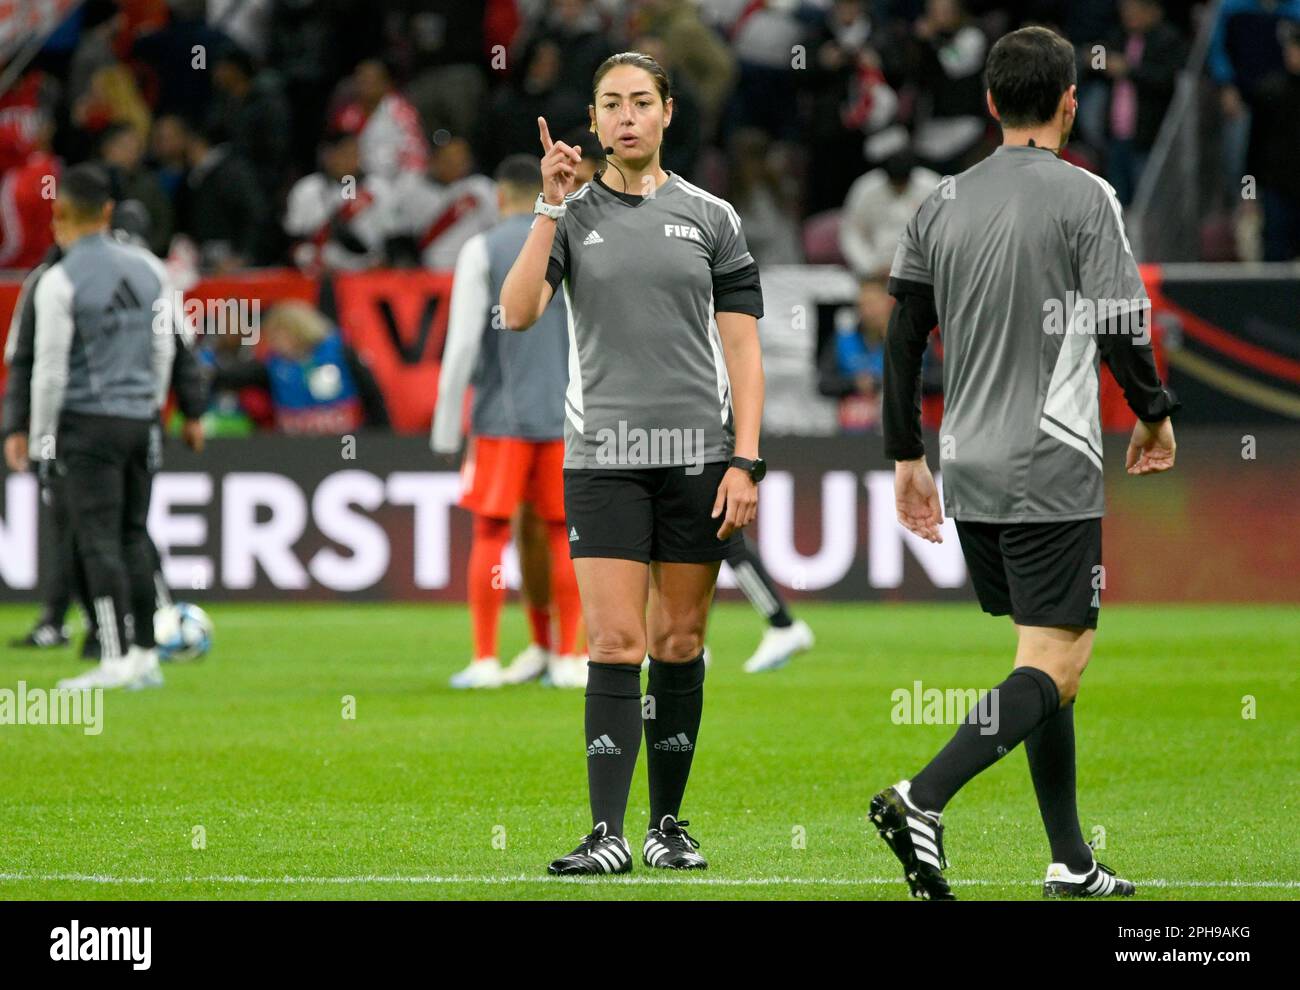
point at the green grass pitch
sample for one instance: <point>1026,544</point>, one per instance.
<point>432,793</point>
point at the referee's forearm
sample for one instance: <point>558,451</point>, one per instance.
<point>521,292</point>
<point>744,358</point>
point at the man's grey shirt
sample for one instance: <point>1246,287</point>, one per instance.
<point>96,349</point>
<point>1006,244</point>
<point>645,357</point>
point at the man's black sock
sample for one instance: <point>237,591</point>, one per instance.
<point>674,700</point>
<point>758,585</point>
<point>993,728</point>
<point>1050,749</point>
<point>613,725</point>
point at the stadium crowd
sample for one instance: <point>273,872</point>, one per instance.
<point>341,135</point>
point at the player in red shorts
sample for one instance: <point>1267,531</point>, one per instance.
<point>516,451</point>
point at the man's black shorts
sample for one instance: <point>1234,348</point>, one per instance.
<point>1041,574</point>
<point>645,514</point>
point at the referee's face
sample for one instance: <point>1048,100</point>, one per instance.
<point>629,115</point>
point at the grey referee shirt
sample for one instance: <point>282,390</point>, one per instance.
<point>1025,252</point>
<point>648,384</point>
<point>96,350</point>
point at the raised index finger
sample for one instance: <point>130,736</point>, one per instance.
<point>545,133</point>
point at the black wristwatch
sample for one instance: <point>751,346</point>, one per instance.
<point>756,469</point>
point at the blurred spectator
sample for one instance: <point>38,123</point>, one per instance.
<point>392,141</point>
<point>25,114</point>
<point>575,28</point>
<point>1244,50</point>
<point>878,207</point>
<point>111,98</point>
<point>27,199</point>
<point>951,77</point>
<point>698,61</point>
<point>446,47</point>
<point>317,384</point>
<point>1279,145</point>
<point>221,205</point>
<point>434,215</point>
<point>763,36</point>
<point>245,21</point>
<point>234,409</point>
<point>100,21</point>
<point>848,98</point>
<point>250,108</point>
<point>178,54</point>
<point>1142,64</point>
<point>761,195</point>
<point>338,215</point>
<point>121,150</point>
<point>510,125</point>
<point>168,151</point>
<point>851,366</point>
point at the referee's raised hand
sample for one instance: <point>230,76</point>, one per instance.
<point>559,166</point>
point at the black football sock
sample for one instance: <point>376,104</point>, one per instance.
<point>758,585</point>
<point>613,721</point>
<point>674,700</point>
<point>993,728</point>
<point>1050,749</point>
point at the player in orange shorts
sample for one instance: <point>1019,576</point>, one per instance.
<point>515,454</point>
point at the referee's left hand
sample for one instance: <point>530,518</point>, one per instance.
<point>738,497</point>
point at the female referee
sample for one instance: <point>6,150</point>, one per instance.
<point>661,438</point>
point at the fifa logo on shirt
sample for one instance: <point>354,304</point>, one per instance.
<point>675,744</point>
<point>603,746</point>
<point>678,230</point>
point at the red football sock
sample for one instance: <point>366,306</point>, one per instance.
<point>564,588</point>
<point>487,589</point>
<point>539,620</point>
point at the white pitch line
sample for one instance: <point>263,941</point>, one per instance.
<point>619,880</point>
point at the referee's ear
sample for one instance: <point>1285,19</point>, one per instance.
<point>993,110</point>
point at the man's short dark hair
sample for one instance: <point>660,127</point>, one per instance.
<point>1027,71</point>
<point>522,172</point>
<point>85,188</point>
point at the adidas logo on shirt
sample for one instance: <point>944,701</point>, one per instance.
<point>675,744</point>
<point>604,746</point>
<point>573,534</point>
<point>593,238</point>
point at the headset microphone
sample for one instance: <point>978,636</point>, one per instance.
<point>609,158</point>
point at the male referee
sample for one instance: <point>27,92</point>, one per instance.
<point>991,257</point>
<point>100,372</point>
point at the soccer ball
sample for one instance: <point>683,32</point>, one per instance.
<point>182,631</point>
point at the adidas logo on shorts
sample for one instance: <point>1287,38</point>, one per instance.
<point>573,534</point>
<point>593,238</point>
<point>675,744</point>
<point>604,746</point>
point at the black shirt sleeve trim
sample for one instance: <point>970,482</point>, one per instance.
<point>909,329</point>
<point>1133,364</point>
<point>740,291</point>
<point>554,275</point>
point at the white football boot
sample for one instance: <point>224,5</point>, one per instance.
<point>568,671</point>
<point>485,673</point>
<point>528,665</point>
<point>779,646</point>
<point>112,672</point>
<point>148,672</point>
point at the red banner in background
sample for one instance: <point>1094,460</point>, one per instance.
<point>397,322</point>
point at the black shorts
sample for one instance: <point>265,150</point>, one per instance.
<point>645,514</point>
<point>1041,574</point>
